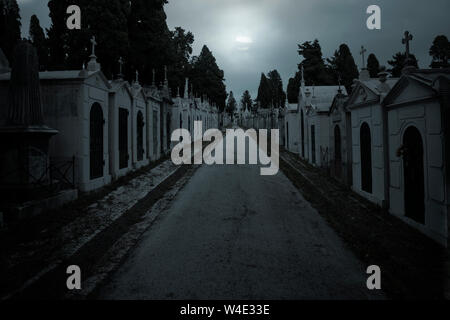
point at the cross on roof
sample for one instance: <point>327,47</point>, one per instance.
<point>362,52</point>
<point>120,65</point>
<point>408,37</point>
<point>94,43</point>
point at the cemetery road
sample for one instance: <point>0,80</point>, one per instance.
<point>233,234</point>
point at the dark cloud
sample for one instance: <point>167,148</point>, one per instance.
<point>277,26</point>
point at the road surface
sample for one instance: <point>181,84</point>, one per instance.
<point>234,234</point>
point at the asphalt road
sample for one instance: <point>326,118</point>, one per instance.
<point>234,234</point>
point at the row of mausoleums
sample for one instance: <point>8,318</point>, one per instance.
<point>109,128</point>
<point>388,140</point>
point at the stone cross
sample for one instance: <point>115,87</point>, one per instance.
<point>94,43</point>
<point>120,65</point>
<point>362,52</point>
<point>408,37</point>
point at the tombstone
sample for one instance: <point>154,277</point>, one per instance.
<point>24,159</point>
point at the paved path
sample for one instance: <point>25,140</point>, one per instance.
<point>233,234</point>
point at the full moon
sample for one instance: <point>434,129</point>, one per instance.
<point>243,39</point>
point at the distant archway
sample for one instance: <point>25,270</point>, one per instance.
<point>96,124</point>
<point>366,158</point>
<point>413,168</point>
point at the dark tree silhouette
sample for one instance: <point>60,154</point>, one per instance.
<point>9,27</point>
<point>343,66</point>
<point>440,52</point>
<point>315,69</point>
<point>264,92</point>
<point>398,62</point>
<point>373,65</point>
<point>207,78</point>
<point>246,101</point>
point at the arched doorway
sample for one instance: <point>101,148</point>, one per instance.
<point>96,141</point>
<point>140,136</point>
<point>366,158</point>
<point>123,138</point>
<point>413,175</point>
<point>302,125</point>
<point>337,151</point>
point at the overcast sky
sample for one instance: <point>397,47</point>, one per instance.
<point>248,37</point>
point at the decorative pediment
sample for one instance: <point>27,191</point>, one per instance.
<point>361,95</point>
<point>98,80</point>
<point>407,90</point>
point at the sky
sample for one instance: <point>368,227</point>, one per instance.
<point>248,37</point>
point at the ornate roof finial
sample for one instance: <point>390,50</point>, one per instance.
<point>154,76</point>
<point>94,43</point>
<point>120,76</point>
<point>362,52</point>
<point>137,76</point>
<point>93,65</point>
<point>408,37</point>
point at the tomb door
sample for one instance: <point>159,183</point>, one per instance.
<point>123,138</point>
<point>413,171</point>
<point>140,136</point>
<point>96,141</point>
<point>337,151</point>
<point>366,158</point>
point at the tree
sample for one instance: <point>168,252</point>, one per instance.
<point>264,92</point>
<point>373,66</point>
<point>398,62</point>
<point>440,52</point>
<point>246,101</point>
<point>37,38</point>
<point>277,94</point>
<point>231,105</point>
<point>343,67</point>
<point>293,88</point>
<point>207,78</point>
<point>181,50</point>
<point>150,40</point>
<point>9,27</point>
<point>315,70</point>
<point>107,21</point>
